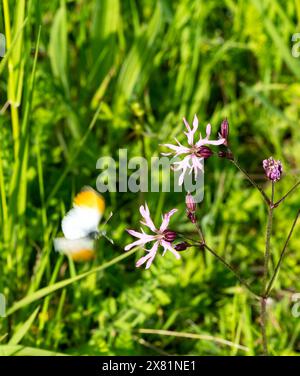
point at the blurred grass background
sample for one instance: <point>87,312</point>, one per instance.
<point>82,79</point>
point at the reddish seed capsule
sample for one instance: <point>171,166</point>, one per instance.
<point>192,217</point>
<point>170,235</point>
<point>181,246</point>
<point>225,154</point>
<point>204,152</point>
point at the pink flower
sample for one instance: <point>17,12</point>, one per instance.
<point>161,236</point>
<point>273,169</point>
<point>196,152</point>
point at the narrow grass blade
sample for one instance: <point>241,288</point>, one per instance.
<point>18,336</point>
<point>193,336</point>
<point>139,57</point>
<point>8,350</point>
<point>59,285</point>
<point>58,47</point>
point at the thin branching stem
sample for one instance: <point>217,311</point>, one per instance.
<point>200,232</point>
<point>232,269</point>
<point>265,197</point>
<point>263,313</point>
<point>268,238</point>
<point>277,268</point>
<point>203,245</point>
<point>263,305</point>
<point>287,194</point>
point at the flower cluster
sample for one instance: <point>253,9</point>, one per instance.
<point>273,169</point>
<point>195,152</point>
<point>193,155</point>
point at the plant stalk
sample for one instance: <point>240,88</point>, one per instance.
<point>263,304</point>
<point>268,289</point>
<point>287,194</point>
<point>228,266</point>
<point>263,300</point>
<point>268,238</point>
<point>265,197</point>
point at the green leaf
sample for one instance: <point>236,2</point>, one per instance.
<point>18,336</point>
<point>58,46</point>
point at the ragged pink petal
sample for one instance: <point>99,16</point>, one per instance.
<point>182,165</point>
<point>205,141</point>
<point>208,130</point>
<point>216,142</point>
<point>195,122</point>
<point>167,246</point>
<point>145,213</point>
<point>186,124</point>
<point>166,220</point>
<point>137,234</point>
<point>149,257</point>
<point>178,149</point>
<point>142,241</point>
<point>142,260</point>
<point>197,165</point>
<point>191,132</point>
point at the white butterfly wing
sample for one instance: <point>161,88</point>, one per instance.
<point>71,247</point>
<point>79,222</point>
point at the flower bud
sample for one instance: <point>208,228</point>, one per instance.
<point>190,203</point>
<point>169,235</point>
<point>224,131</point>
<point>204,152</point>
<point>181,246</point>
<point>191,208</point>
<point>226,154</point>
<point>273,169</point>
<point>192,217</point>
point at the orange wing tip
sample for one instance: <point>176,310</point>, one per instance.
<point>88,197</point>
<point>78,250</point>
<point>83,255</point>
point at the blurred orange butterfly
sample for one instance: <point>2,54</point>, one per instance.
<point>80,226</point>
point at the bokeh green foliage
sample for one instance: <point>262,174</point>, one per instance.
<point>86,78</point>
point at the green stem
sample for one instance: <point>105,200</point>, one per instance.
<point>228,266</point>
<point>263,303</point>
<point>200,232</point>
<point>268,289</point>
<point>287,194</point>
<point>11,86</point>
<point>263,313</point>
<point>268,239</point>
<point>265,197</point>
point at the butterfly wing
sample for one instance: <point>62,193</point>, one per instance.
<point>79,222</point>
<point>85,216</point>
<point>78,249</point>
<point>88,197</point>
